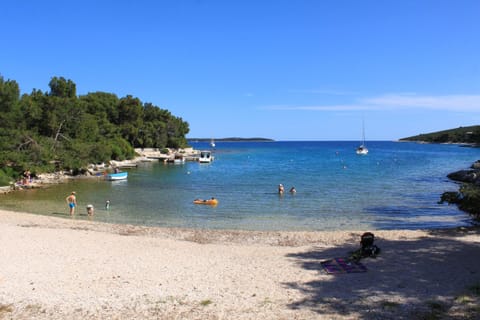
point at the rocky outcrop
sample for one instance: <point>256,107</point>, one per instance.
<point>468,197</point>
<point>468,176</point>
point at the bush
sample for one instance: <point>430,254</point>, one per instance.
<point>471,199</point>
<point>5,179</point>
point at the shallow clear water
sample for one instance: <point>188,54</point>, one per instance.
<point>396,186</point>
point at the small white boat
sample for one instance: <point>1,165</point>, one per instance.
<point>362,149</point>
<point>212,143</point>
<point>177,159</point>
<point>205,157</point>
<point>116,176</point>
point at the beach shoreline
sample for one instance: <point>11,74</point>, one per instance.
<point>97,171</point>
<point>56,268</point>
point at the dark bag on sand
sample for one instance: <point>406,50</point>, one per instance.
<point>368,249</point>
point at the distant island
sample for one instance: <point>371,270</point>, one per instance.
<point>231,139</point>
<point>467,135</point>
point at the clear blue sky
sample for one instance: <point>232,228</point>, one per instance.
<point>287,70</point>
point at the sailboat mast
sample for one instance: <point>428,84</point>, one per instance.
<point>363,131</point>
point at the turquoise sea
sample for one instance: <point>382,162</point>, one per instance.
<point>396,186</point>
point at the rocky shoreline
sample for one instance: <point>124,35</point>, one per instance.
<point>96,171</point>
<point>40,181</point>
<point>467,198</point>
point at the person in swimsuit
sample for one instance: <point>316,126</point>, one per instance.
<point>72,202</point>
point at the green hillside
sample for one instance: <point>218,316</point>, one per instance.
<point>459,135</point>
<point>60,130</point>
<point>231,139</point>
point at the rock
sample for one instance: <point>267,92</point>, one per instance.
<point>451,197</point>
<point>6,189</point>
<point>468,197</point>
<point>476,165</point>
<point>470,176</point>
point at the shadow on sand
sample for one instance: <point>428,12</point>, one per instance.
<point>410,279</point>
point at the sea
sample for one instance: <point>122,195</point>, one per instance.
<point>396,186</point>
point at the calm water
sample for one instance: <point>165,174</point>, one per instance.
<point>396,186</point>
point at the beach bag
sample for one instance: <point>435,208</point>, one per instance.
<point>368,248</point>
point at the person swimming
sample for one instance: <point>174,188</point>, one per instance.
<point>90,210</point>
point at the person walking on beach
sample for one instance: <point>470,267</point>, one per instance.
<point>72,202</point>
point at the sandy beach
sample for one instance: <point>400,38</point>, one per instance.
<point>56,268</point>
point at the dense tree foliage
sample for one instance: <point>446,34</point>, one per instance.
<point>459,135</point>
<point>55,130</point>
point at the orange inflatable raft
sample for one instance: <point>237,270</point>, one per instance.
<point>212,202</point>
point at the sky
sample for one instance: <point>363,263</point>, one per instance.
<point>285,70</point>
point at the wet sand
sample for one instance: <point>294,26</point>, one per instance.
<point>57,268</point>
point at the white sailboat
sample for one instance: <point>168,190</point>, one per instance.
<point>212,143</point>
<point>362,149</point>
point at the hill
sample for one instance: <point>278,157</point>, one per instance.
<point>470,135</point>
<point>231,139</point>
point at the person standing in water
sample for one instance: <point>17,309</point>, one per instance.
<point>72,202</point>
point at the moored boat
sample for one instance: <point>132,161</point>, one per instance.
<point>362,149</point>
<point>116,176</point>
<point>205,157</point>
<point>177,159</point>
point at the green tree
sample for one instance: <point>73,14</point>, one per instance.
<point>43,131</point>
<point>130,113</point>
<point>62,88</point>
